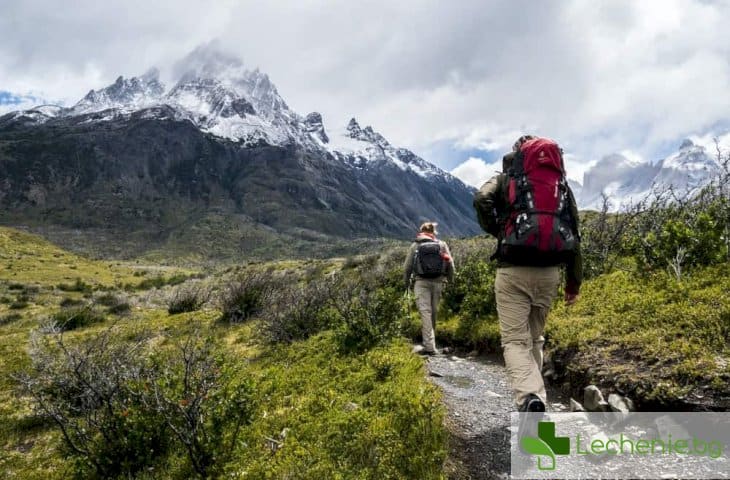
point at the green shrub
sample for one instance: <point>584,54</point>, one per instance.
<point>368,318</point>
<point>472,293</point>
<point>116,305</point>
<point>656,337</point>
<point>91,392</point>
<point>296,312</point>
<point>121,308</point>
<point>159,281</point>
<point>16,286</point>
<point>70,302</point>
<point>246,297</point>
<point>107,300</point>
<point>187,299</point>
<point>78,286</point>
<point>10,318</point>
<point>77,317</point>
<point>122,411</point>
<point>19,305</point>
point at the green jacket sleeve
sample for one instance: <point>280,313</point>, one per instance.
<point>408,266</point>
<point>486,203</point>
<point>574,266</point>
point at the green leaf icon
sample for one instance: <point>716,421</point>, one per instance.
<point>535,446</point>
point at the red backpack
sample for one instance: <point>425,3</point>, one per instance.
<point>538,229</point>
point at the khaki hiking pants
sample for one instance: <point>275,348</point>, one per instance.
<point>428,294</point>
<point>524,296</point>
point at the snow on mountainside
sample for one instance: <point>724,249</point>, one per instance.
<point>362,147</point>
<point>220,96</point>
<point>127,94</point>
<point>625,181</point>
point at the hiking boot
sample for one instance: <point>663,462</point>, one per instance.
<point>532,404</point>
<point>528,423</point>
<point>430,353</point>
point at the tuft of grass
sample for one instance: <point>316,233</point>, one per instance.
<point>77,317</point>
<point>10,318</point>
<point>78,286</point>
<point>187,299</point>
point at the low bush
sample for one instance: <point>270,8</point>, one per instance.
<point>122,410</point>
<point>368,317</point>
<point>77,317</point>
<point>121,308</point>
<point>116,305</point>
<point>70,302</point>
<point>296,312</point>
<point>160,281</point>
<point>10,318</point>
<point>246,296</point>
<point>187,299</point>
<point>78,286</point>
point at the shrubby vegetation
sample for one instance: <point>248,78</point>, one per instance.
<point>307,375</point>
<point>122,408</point>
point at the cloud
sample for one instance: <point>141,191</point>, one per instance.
<point>476,171</point>
<point>10,101</point>
<point>598,77</point>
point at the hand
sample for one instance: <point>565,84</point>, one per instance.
<point>571,298</point>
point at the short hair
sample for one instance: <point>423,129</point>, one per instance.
<point>429,227</point>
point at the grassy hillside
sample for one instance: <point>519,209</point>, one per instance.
<point>319,403</point>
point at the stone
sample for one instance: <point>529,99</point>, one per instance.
<point>593,400</point>
<point>575,406</point>
<point>619,403</point>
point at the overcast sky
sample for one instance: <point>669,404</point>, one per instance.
<point>455,81</point>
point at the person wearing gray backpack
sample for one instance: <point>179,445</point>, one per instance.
<point>429,261</point>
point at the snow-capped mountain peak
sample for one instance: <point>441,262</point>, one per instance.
<point>627,180</point>
<point>218,94</point>
<point>125,93</point>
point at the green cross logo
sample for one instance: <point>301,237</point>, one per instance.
<point>547,444</point>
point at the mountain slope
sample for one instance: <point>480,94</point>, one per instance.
<point>141,168</point>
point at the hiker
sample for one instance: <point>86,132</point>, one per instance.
<point>531,210</point>
<point>429,261</point>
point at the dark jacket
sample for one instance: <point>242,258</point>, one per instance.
<point>490,203</point>
<point>409,267</point>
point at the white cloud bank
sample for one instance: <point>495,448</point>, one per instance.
<point>475,171</point>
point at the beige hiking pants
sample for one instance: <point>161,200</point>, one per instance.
<point>428,294</point>
<point>524,296</point>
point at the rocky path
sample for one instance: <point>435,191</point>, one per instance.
<point>479,402</point>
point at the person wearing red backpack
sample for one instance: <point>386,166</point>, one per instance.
<point>429,261</point>
<point>531,210</point>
